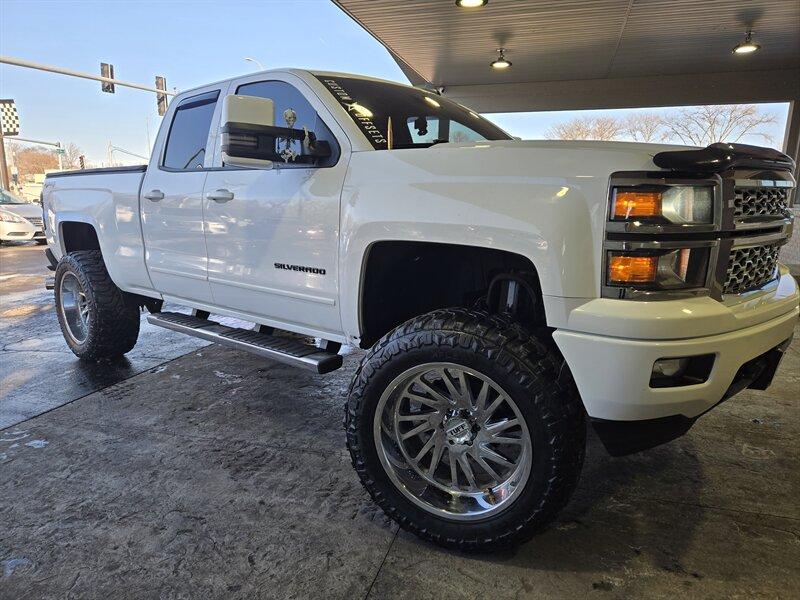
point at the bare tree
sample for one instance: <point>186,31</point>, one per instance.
<point>72,156</point>
<point>32,160</point>
<point>704,125</point>
<point>644,127</point>
<point>696,125</point>
<point>586,128</point>
<point>607,128</point>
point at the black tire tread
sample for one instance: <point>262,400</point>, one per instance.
<point>537,366</point>
<point>114,326</point>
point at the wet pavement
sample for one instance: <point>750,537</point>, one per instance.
<point>218,474</point>
<point>38,372</point>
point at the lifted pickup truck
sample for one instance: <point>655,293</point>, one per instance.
<point>504,290</point>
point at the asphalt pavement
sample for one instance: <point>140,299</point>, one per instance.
<point>38,372</point>
<point>188,472</point>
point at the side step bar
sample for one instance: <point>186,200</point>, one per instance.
<point>285,350</point>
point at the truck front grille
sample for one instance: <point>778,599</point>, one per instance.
<point>760,201</point>
<point>750,268</point>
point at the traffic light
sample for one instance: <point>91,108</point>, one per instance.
<point>107,70</point>
<point>161,99</point>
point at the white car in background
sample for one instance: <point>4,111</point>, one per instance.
<point>20,220</point>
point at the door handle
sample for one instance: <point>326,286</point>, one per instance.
<point>154,195</point>
<point>221,196</point>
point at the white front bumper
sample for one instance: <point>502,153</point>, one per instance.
<point>613,373</point>
<point>10,232</point>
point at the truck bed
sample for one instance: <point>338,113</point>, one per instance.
<point>107,200</point>
<point>99,171</point>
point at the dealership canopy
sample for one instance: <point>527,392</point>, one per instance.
<point>592,54</point>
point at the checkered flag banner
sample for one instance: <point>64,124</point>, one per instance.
<point>9,118</point>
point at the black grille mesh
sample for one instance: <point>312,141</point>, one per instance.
<point>750,268</point>
<point>760,201</point>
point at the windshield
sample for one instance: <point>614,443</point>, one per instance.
<point>6,198</point>
<point>419,119</point>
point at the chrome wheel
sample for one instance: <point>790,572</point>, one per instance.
<point>453,441</point>
<point>74,307</point>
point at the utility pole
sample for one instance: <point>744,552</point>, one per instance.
<point>147,125</point>
<point>4,178</point>
<point>112,148</point>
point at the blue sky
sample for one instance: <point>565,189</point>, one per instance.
<point>191,43</point>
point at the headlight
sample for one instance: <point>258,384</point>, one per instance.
<point>679,204</point>
<point>683,268</point>
<point>10,218</point>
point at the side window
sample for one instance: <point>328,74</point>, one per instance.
<point>286,96</point>
<point>188,134</point>
<point>426,130</point>
<point>423,130</point>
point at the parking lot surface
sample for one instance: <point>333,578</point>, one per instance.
<point>37,370</point>
<point>206,472</point>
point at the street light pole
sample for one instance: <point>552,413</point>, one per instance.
<point>258,62</point>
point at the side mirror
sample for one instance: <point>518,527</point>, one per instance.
<point>245,122</point>
<point>251,139</point>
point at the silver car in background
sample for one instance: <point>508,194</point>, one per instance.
<point>20,220</point>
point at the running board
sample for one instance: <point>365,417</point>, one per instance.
<point>286,350</point>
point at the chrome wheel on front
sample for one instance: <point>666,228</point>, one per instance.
<point>74,307</point>
<point>453,441</point>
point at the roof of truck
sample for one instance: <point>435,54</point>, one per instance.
<point>294,71</point>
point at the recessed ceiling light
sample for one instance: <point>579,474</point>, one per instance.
<point>747,46</point>
<point>501,62</point>
<point>471,3</point>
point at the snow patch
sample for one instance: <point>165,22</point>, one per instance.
<point>16,435</point>
<point>227,378</point>
<point>13,563</point>
<point>37,443</point>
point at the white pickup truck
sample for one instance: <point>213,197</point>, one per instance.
<point>504,290</point>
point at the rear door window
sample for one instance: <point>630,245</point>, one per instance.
<point>188,134</point>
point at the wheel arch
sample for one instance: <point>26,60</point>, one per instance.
<point>78,235</point>
<point>403,279</point>
<point>75,235</point>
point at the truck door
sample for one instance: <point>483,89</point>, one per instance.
<point>171,202</point>
<point>273,235</point>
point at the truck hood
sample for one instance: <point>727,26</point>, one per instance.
<point>645,151</point>
<point>545,200</point>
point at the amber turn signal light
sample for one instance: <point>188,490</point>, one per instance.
<point>636,204</point>
<point>632,269</point>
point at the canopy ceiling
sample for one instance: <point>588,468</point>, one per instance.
<point>570,54</point>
